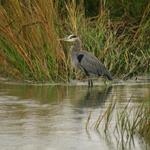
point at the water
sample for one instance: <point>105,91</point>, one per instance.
<point>53,117</point>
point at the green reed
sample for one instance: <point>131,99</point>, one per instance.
<point>29,33</point>
<point>125,123</point>
<point>28,40</point>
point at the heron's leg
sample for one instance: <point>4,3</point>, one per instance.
<point>88,82</point>
<point>91,83</point>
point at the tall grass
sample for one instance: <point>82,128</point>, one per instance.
<point>29,30</point>
<point>120,44</point>
<point>29,41</point>
<point>125,124</point>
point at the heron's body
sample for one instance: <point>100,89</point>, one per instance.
<point>89,64</point>
<point>86,61</point>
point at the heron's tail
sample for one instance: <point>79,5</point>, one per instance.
<point>108,75</point>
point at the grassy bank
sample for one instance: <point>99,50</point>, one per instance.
<point>118,34</point>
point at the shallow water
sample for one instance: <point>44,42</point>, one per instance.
<point>53,117</point>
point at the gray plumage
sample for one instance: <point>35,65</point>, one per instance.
<point>86,61</point>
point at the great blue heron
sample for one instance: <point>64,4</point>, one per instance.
<point>86,61</point>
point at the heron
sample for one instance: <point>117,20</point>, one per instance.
<point>86,61</point>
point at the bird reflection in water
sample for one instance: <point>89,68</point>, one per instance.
<point>95,97</point>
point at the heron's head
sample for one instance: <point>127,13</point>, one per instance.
<point>70,38</point>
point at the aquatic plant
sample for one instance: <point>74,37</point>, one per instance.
<point>125,123</point>
<point>29,32</point>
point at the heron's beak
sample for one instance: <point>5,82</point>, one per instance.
<point>63,39</point>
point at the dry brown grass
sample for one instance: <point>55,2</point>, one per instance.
<point>29,31</point>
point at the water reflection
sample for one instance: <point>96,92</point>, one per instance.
<point>41,116</point>
<point>95,97</point>
<point>79,96</point>
<point>44,94</point>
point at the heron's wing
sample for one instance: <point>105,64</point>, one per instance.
<point>91,65</point>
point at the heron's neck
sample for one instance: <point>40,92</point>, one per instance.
<point>77,45</point>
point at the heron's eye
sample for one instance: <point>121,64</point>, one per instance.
<point>73,36</point>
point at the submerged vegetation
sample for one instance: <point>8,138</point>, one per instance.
<point>116,32</point>
<point>124,124</point>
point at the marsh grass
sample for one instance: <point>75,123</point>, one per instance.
<point>29,32</point>
<point>29,40</point>
<point>124,123</point>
